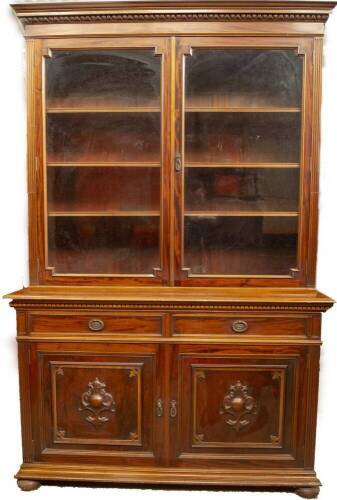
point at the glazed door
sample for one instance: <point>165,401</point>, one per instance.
<point>97,401</point>
<point>238,405</point>
<point>105,160</point>
<point>241,156</point>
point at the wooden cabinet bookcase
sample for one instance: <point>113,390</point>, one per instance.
<point>171,329</point>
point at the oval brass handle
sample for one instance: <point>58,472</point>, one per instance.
<point>95,325</point>
<point>159,408</point>
<point>239,326</point>
<point>173,408</point>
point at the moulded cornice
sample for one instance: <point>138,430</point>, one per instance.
<point>152,11</point>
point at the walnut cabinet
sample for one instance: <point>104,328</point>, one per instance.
<point>171,329</point>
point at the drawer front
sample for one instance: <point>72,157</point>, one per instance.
<point>215,324</point>
<point>96,323</point>
<point>96,403</point>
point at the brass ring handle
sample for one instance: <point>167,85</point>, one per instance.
<point>239,326</point>
<point>95,325</point>
<point>173,408</point>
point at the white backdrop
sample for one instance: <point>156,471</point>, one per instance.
<point>14,263</point>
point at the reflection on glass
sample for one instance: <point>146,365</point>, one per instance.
<point>103,189</point>
<point>242,158</point>
<point>103,78</point>
<point>103,137</point>
<point>244,77</point>
<point>242,137</point>
<point>240,245</point>
<point>242,189</point>
<point>104,245</point>
<point>103,142</point>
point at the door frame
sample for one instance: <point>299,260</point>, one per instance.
<point>37,52</point>
<point>307,208</point>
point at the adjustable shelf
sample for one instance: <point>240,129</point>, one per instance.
<point>213,109</point>
<point>104,110</point>
<point>190,164</point>
<point>114,213</point>
<point>120,164</point>
<point>241,213</point>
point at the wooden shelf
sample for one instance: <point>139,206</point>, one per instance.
<point>240,165</point>
<point>115,213</point>
<point>104,110</point>
<point>241,213</point>
<point>220,109</point>
<point>98,164</point>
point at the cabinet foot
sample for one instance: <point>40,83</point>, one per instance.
<point>28,485</point>
<point>309,492</point>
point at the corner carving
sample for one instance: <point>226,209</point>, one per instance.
<point>97,405</point>
<point>238,408</point>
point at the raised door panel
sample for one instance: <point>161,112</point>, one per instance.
<point>242,156</point>
<point>239,405</point>
<point>99,404</point>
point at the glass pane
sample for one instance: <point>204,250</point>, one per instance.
<point>103,141</point>
<point>242,137</point>
<point>103,137</point>
<point>104,245</point>
<point>120,188</point>
<point>242,189</point>
<point>242,161</point>
<point>104,78</point>
<point>244,77</point>
<point>240,245</point>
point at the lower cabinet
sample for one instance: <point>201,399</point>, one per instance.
<point>184,405</point>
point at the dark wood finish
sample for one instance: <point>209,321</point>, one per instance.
<point>216,324</point>
<point>166,375</point>
<point>83,324</point>
<point>110,394</point>
<point>238,405</point>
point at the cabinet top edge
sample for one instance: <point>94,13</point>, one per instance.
<point>174,295</point>
<point>172,10</point>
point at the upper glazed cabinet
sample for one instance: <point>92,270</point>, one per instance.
<point>173,160</point>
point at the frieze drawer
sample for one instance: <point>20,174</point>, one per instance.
<point>96,323</point>
<point>217,324</point>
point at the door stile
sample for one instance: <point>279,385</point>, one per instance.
<point>36,228</point>
<point>179,152</point>
<point>173,403</point>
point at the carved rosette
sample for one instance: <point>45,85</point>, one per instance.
<point>97,405</point>
<point>238,408</point>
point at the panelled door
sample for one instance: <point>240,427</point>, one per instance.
<point>97,401</point>
<point>239,405</point>
<point>104,122</point>
<point>241,156</point>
